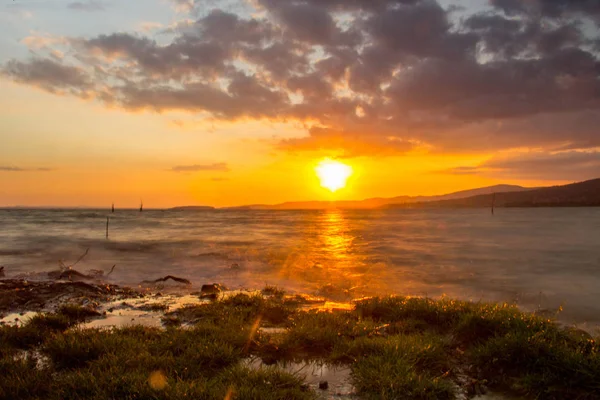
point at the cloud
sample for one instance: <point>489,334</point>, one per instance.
<point>183,5</point>
<point>364,76</point>
<point>343,144</point>
<point>556,9</point>
<point>223,167</point>
<point>568,165</point>
<point>49,75</point>
<point>217,179</point>
<point>9,168</point>
<point>90,5</point>
<point>37,41</point>
<point>149,26</point>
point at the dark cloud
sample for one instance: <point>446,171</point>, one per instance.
<point>223,167</point>
<point>49,75</point>
<point>229,28</point>
<point>187,55</point>
<point>307,22</point>
<point>555,131</point>
<point>418,30</point>
<point>244,97</point>
<point>342,5</point>
<point>365,76</point>
<point>8,168</point>
<point>570,165</point>
<point>89,5</point>
<point>549,8</point>
<point>311,86</point>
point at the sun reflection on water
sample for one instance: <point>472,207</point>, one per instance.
<point>336,241</point>
<point>330,258</point>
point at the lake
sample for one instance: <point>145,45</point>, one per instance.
<point>538,258</point>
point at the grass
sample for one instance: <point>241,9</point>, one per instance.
<point>395,347</point>
<point>77,313</point>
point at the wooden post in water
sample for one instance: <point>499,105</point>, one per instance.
<point>141,206</point>
<point>493,202</point>
<point>107,219</point>
<point>113,207</point>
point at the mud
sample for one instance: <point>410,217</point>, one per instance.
<point>17,295</point>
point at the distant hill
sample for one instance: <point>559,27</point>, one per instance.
<point>380,202</point>
<point>582,194</point>
<point>192,208</point>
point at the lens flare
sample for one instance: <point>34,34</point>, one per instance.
<point>333,174</point>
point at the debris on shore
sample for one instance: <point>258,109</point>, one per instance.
<point>23,295</point>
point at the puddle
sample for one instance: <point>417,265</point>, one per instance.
<point>18,319</point>
<point>337,377</point>
<point>334,306</point>
<point>123,318</point>
<point>273,331</point>
<point>140,311</point>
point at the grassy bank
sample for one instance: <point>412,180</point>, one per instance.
<point>396,348</point>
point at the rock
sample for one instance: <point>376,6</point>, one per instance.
<point>166,278</point>
<point>215,288</point>
<point>323,385</point>
<point>209,296</point>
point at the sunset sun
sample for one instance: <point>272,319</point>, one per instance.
<point>333,174</point>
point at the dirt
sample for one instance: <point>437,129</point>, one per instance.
<point>18,295</point>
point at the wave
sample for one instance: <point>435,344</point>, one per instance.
<point>20,252</point>
<point>212,255</point>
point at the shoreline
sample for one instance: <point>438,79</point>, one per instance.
<point>147,305</point>
<point>20,296</point>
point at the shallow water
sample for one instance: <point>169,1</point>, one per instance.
<point>538,258</point>
<point>312,373</point>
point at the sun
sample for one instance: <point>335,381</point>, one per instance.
<point>333,174</point>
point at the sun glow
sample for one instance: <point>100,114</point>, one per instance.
<point>333,174</point>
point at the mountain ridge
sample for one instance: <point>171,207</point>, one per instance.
<point>585,193</point>
<point>578,194</point>
<point>377,202</point>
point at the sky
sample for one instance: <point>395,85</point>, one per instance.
<point>231,102</point>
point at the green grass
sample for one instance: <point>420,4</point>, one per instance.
<point>77,313</point>
<point>34,332</point>
<point>242,307</point>
<point>395,347</point>
<point>391,376</point>
<point>273,291</point>
<point>545,364</point>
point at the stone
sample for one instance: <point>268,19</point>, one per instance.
<point>209,296</point>
<point>323,385</point>
<point>215,288</point>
